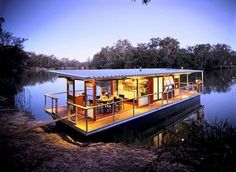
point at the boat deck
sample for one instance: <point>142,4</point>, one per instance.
<point>127,112</point>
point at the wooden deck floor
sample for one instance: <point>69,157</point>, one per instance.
<point>125,113</point>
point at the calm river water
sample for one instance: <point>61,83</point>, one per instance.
<point>218,99</point>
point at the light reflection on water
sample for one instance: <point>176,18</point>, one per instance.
<point>176,127</point>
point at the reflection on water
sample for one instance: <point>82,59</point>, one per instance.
<point>169,129</point>
<point>23,100</point>
<point>12,85</point>
<point>30,98</point>
<point>219,97</point>
<point>219,81</point>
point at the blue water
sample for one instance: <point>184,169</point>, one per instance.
<point>34,97</point>
<point>220,106</point>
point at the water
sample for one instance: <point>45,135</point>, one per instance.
<point>219,98</point>
<point>34,97</point>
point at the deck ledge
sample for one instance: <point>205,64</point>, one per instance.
<point>135,117</point>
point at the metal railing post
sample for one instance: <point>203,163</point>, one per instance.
<point>167,97</point>
<point>52,105</point>
<point>149,97</point>
<point>172,94</point>
<point>188,90</point>
<point>69,113</point>
<point>180,91</point>
<point>113,112</point>
<point>133,108</point>
<point>56,105</point>
<point>86,116</point>
<point>76,115</point>
<point>68,110</point>
<point>187,80</point>
<point>45,101</point>
<point>123,105</point>
<point>202,83</point>
<point>162,98</point>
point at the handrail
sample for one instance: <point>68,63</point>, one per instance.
<point>146,95</point>
<point>56,93</point>
<point>48,95</point>
<point>127,90</point>
<point>79,106</point>
<point>121,101</point>
<point>85,109</point>
<point>54,99</point>
<point>61,92</point>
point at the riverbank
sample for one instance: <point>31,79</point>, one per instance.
<point>41,149</point>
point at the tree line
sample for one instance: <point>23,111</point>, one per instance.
<point>166,53</point>
<point>13,58</point>
<point>50,61</point>
<point>158,53</point>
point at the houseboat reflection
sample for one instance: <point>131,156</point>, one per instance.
<point>173,127</point>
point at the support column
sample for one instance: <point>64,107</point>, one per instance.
<point>85,93</point>
<point>73,91</point>
<point>112,87</point>
<point>202,81</point>
<point>187,79</point>
<point>137,89</point>
<point>67,90</point>
<point>94,99</point>
<point>150,89</point>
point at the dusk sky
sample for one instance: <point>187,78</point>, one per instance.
<point>80,28</point>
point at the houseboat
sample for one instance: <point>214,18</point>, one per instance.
<point>98,100</point>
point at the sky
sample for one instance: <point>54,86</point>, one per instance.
<point>77,29</point>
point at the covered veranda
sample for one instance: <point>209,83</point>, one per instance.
<point>110,96</point>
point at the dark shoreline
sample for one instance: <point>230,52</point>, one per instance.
<point>44,150</point>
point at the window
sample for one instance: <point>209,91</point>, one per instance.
<point>168,83</point>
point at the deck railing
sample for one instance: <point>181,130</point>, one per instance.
<point>53,107</point>
<point>51,101</point>
<point>82,116</point>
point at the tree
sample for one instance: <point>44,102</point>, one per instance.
<point>169,48</point>
<point>13,57</point>
<point>222,54</point>
<point>154,43</point>
<point>121,53</point>
<point>184,59</point>
<point>201,54</point>
<point>113,57</point>
<point>1,22</point>
<point>144,57</point>
<point>145,1</point>
<point>163,53</point>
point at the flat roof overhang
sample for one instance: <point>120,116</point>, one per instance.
<point>101,74</point>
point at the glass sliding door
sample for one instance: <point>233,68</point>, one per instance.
<point>155,88</point>
<point>160,87</point>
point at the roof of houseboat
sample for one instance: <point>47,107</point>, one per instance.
<point>119,73</point>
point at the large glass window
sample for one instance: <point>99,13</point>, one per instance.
<point>168,83</point>
<point>103,86</point>
<point>155,88</point>
<point>143,86</point>
<point>160,79</point>
<point>127,88</point>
